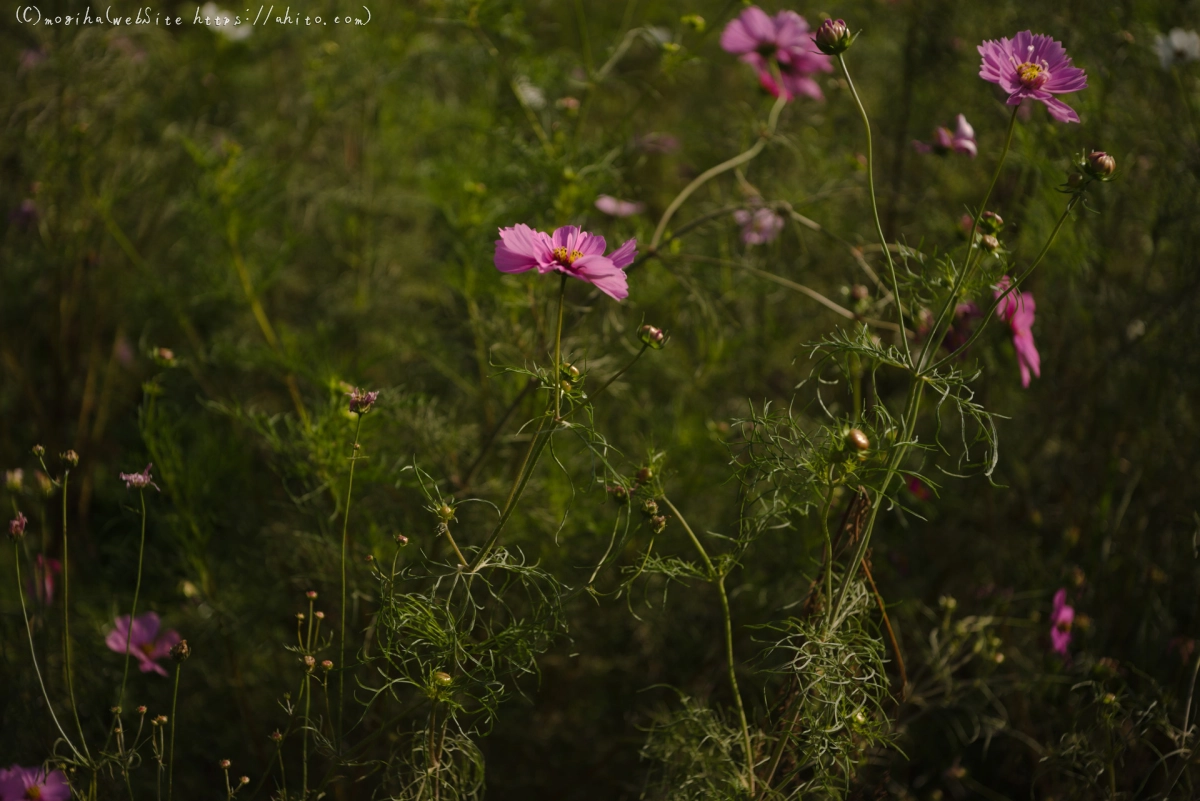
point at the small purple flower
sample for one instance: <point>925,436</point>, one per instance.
<point>783,40</point>
<point>569,251</point>
<point>41,586</point>
<point>619,208</point>
<point>361,400</point>
<point>655,142</point>
<point>142,639</point>
<point>1031,65</point>
<point>961,141</point>
<point>140,480</point>
<point>16,526</point>
<point>759,226</point>
<point>28,784</point>
<point>1061,619</point>
<point>1017,309</point>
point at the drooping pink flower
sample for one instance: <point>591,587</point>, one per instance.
<point>569,251</point>
<point>143,640</point>
<point>1062,617</point>
<point>961,141</point>
<point>618,208</point>
<point>762,41</point>
<point>1017,309</point>
<point>759,226</point>
<point>22,784</point>
<point>139,480</point>
<point>1031,65</point>
<point>41,585</point>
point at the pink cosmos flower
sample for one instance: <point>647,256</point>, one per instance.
<point>1017,309</point>
<point>783,40</point>
<point>961,141</point>
<point>618,208</point>
<point>569,251</point>
<point>1061,619</point>
<point>759,226</point>
<point>143,639</point>
<point>21,784</point>
<point>1034,66</point>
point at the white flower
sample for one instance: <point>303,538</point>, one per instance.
<point>223,22</point>
<point>1179,46</point>
<point>530,95</point>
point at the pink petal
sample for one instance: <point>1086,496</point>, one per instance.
<point>606,276</point>
<point>623,256</point>
<point>746,33</point>
<point>1059,110</point>
<point>797,85</point>
<point>590,244</point>
<point>520,248</point>
<point>565,237</point>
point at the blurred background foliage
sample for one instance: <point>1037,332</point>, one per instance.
<point>307,208</point>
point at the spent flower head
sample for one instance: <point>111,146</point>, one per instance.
<point>361,400</point>
<point>16,526</point>
<point>570,251</point>
<point>1031,65</point>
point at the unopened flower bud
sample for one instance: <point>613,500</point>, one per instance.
<point>858,439</point>
<point>401,539</point>
<point>368,558</point>
<point>649,507</point>
<point>319,615</point>
<point>276,735</point>
<point>1074,180</point>
<point>991,222</point>
<point>224,763</point>
<point>160,720</point>
<point>652,336</point>
<point>570,373</point>
<point>1100,165</point>
<point>116,710</point>
<point>446,512</point>
<point>299,616</point>
<point>833,37</point>
<point>311,595</point>
<point>327,664</point>
<point>165,355</point>
<point>310,662</point>
<point>244,780</point>
<point>658,523</point>
<point>39,451</point>
<point>180,651</point>
<point>644,475</point>
<point>443,678</point>
<point>141,710</point>
<point>16,526</point>
<point>989,243</point>
<point>619,493</point>
<point>859,292</point>
<point>70,457</point>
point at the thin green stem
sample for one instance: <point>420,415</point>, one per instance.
<point>887,254</point>
<point>66,572</point>
<point>828,550</point>
<point>1012,287</point>
<point>617,374</point>
<point>174,725</point>
<point>713,172</point>
<point>137,588</point>
<point>558,376</point>
<point>304,747</point>
<point>462,560</point>
<point>718,579</point>
<point>345,537</point>
<point>952,299</point>
<point>33,652</point>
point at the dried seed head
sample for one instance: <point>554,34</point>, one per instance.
<point>619,493</point>
<point>180,651</point>
<point>649,507</point>
<point>16,526</point>
<point>70,457</point>
<point>658,523</point>
<point>160,720</point>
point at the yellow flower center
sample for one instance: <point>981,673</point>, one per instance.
<point>146,648</point>
<point>34,792</point>
<point>1032,75</point>
<point>565,257</point>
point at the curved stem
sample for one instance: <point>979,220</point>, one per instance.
<point>617,375</point>
<point>712,172</point>
<point>828,550</point>
<point>718,579</point>
<point>345,536</point>
<point>961,278</point>
<point>66,571</point>
<point>887,254</point>
<point>33,652</point>
<point>137,588</point>
<point>174,725</point>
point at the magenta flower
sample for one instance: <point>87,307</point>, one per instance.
<point>139,480</point>
<point>16,526</point>
<point>1017,310</point>
<point>569,251</point>
<point>781,40</point>
<point>41,586</point>
<point>1034,66</point>
<point>618,208</point>
<point>759,226</point>
<point>143,639</point>
<point>961,141</point>
<point>1061,619</point>
<point>960,328</point>
<point>362,400</point>
<point>22,784</point>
